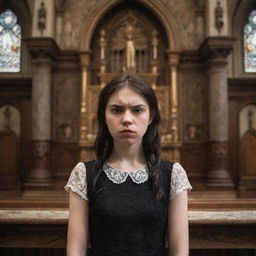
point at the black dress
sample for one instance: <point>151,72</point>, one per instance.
<point>125,219</point>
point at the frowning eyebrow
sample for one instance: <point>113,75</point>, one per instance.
<point>121,106</point>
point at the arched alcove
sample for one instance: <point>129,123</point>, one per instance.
<point>157,9</point>
<point>144,24</point>
<point>247,132</point>
<point>10,147</point>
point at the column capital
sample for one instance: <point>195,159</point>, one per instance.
<point>173,57</point>
<point>85,58</point>
<point>42,48</point>
<point>216,47</point>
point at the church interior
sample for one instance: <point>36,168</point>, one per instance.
<point>200,58</point>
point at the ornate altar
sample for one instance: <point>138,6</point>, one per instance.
<point>131,43</point>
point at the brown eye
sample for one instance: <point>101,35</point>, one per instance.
<point>115,110</point>
<point>138,110</point>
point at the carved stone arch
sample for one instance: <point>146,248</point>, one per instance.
<point>238,21</point>
<point>143,26</point>
<point>158,9</point>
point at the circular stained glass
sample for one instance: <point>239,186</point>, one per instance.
<point>8,19</point>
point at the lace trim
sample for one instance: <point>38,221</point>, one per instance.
<point>179,181</point>
<point>118,176</point>
<point>77,181</point>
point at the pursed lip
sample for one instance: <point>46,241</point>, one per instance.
<point>127,130</point>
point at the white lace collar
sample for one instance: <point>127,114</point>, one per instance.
<point>118,176</point>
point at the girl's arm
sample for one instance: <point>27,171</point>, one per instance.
<point>77,239</point>
<point>178,235</point>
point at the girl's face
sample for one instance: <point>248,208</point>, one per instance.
<point>127,116</point>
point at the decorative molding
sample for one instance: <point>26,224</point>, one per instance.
<point>41,48</point>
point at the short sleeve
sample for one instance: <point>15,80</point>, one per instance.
<point>179,181</point>
<point>77,181</point>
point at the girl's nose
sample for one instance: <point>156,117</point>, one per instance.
<point>127,117</point>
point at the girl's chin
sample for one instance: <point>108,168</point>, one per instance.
<point>128,141</point>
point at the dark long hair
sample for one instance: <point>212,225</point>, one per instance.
<point>151,139</point>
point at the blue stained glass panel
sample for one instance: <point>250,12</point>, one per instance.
<point>10,42</point>
<point>250,43</point>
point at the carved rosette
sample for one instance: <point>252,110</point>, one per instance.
<point>42,48</point>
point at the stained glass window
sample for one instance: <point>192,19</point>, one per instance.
<point>10,42</point>
<point>250,43</point>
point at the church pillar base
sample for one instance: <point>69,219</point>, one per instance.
<point>40,175</point>
<point>218,175</point>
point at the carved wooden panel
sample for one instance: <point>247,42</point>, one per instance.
<point>9,148</point>
<point>193,159</point>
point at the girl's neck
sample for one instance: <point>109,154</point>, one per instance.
<point>127,157</point>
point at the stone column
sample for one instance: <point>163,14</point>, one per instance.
<point>214,51</point>
<point>42,51</point>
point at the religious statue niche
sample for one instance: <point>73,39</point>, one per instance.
<point>247,182</point>
<point>128,47</point>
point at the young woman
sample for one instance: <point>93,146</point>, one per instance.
<point>128,200</point>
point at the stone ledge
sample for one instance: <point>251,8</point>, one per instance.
<point>60,216</point>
